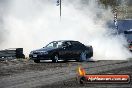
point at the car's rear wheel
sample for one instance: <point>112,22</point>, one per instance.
<point>37,61</point>
<point>55,58</point>
<point>83,56</point>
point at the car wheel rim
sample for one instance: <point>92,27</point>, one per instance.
<point>56,58</point>
<point>83,56</point>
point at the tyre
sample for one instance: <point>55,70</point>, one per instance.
<point>83,56</point>
<point>55,58</point>
<point>37,61</point>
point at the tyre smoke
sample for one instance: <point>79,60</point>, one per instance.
<point>32,24</point>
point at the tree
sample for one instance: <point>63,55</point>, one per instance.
<point>107,3</point>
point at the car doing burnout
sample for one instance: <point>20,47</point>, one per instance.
<point>62,50</point>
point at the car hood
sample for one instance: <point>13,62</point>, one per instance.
<point>44,49</point>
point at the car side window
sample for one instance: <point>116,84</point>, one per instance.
<point>66,43</point>
<point>69,43</point>
<point>54,44</point>
<point>77,44</point>
<point>74,43</point>
<point>59,44</point>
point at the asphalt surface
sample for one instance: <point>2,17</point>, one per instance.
<point>27,74</point>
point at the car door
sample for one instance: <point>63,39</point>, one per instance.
<point>65,50</point>
<point>68,49</point>
<point>77,48</point>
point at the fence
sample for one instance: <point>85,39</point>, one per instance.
<point>11,53</point>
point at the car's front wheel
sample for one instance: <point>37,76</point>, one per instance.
<point>37,61</point>
<point>55,58</point>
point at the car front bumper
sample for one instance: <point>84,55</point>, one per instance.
<point>40,57</point>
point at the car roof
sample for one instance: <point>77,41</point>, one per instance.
<point>65,41</point>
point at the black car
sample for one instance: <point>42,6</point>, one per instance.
<point>62,50</point>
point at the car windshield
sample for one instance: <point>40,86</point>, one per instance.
<point>55,44</point>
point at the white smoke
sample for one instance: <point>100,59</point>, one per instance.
<point>32,24</point>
